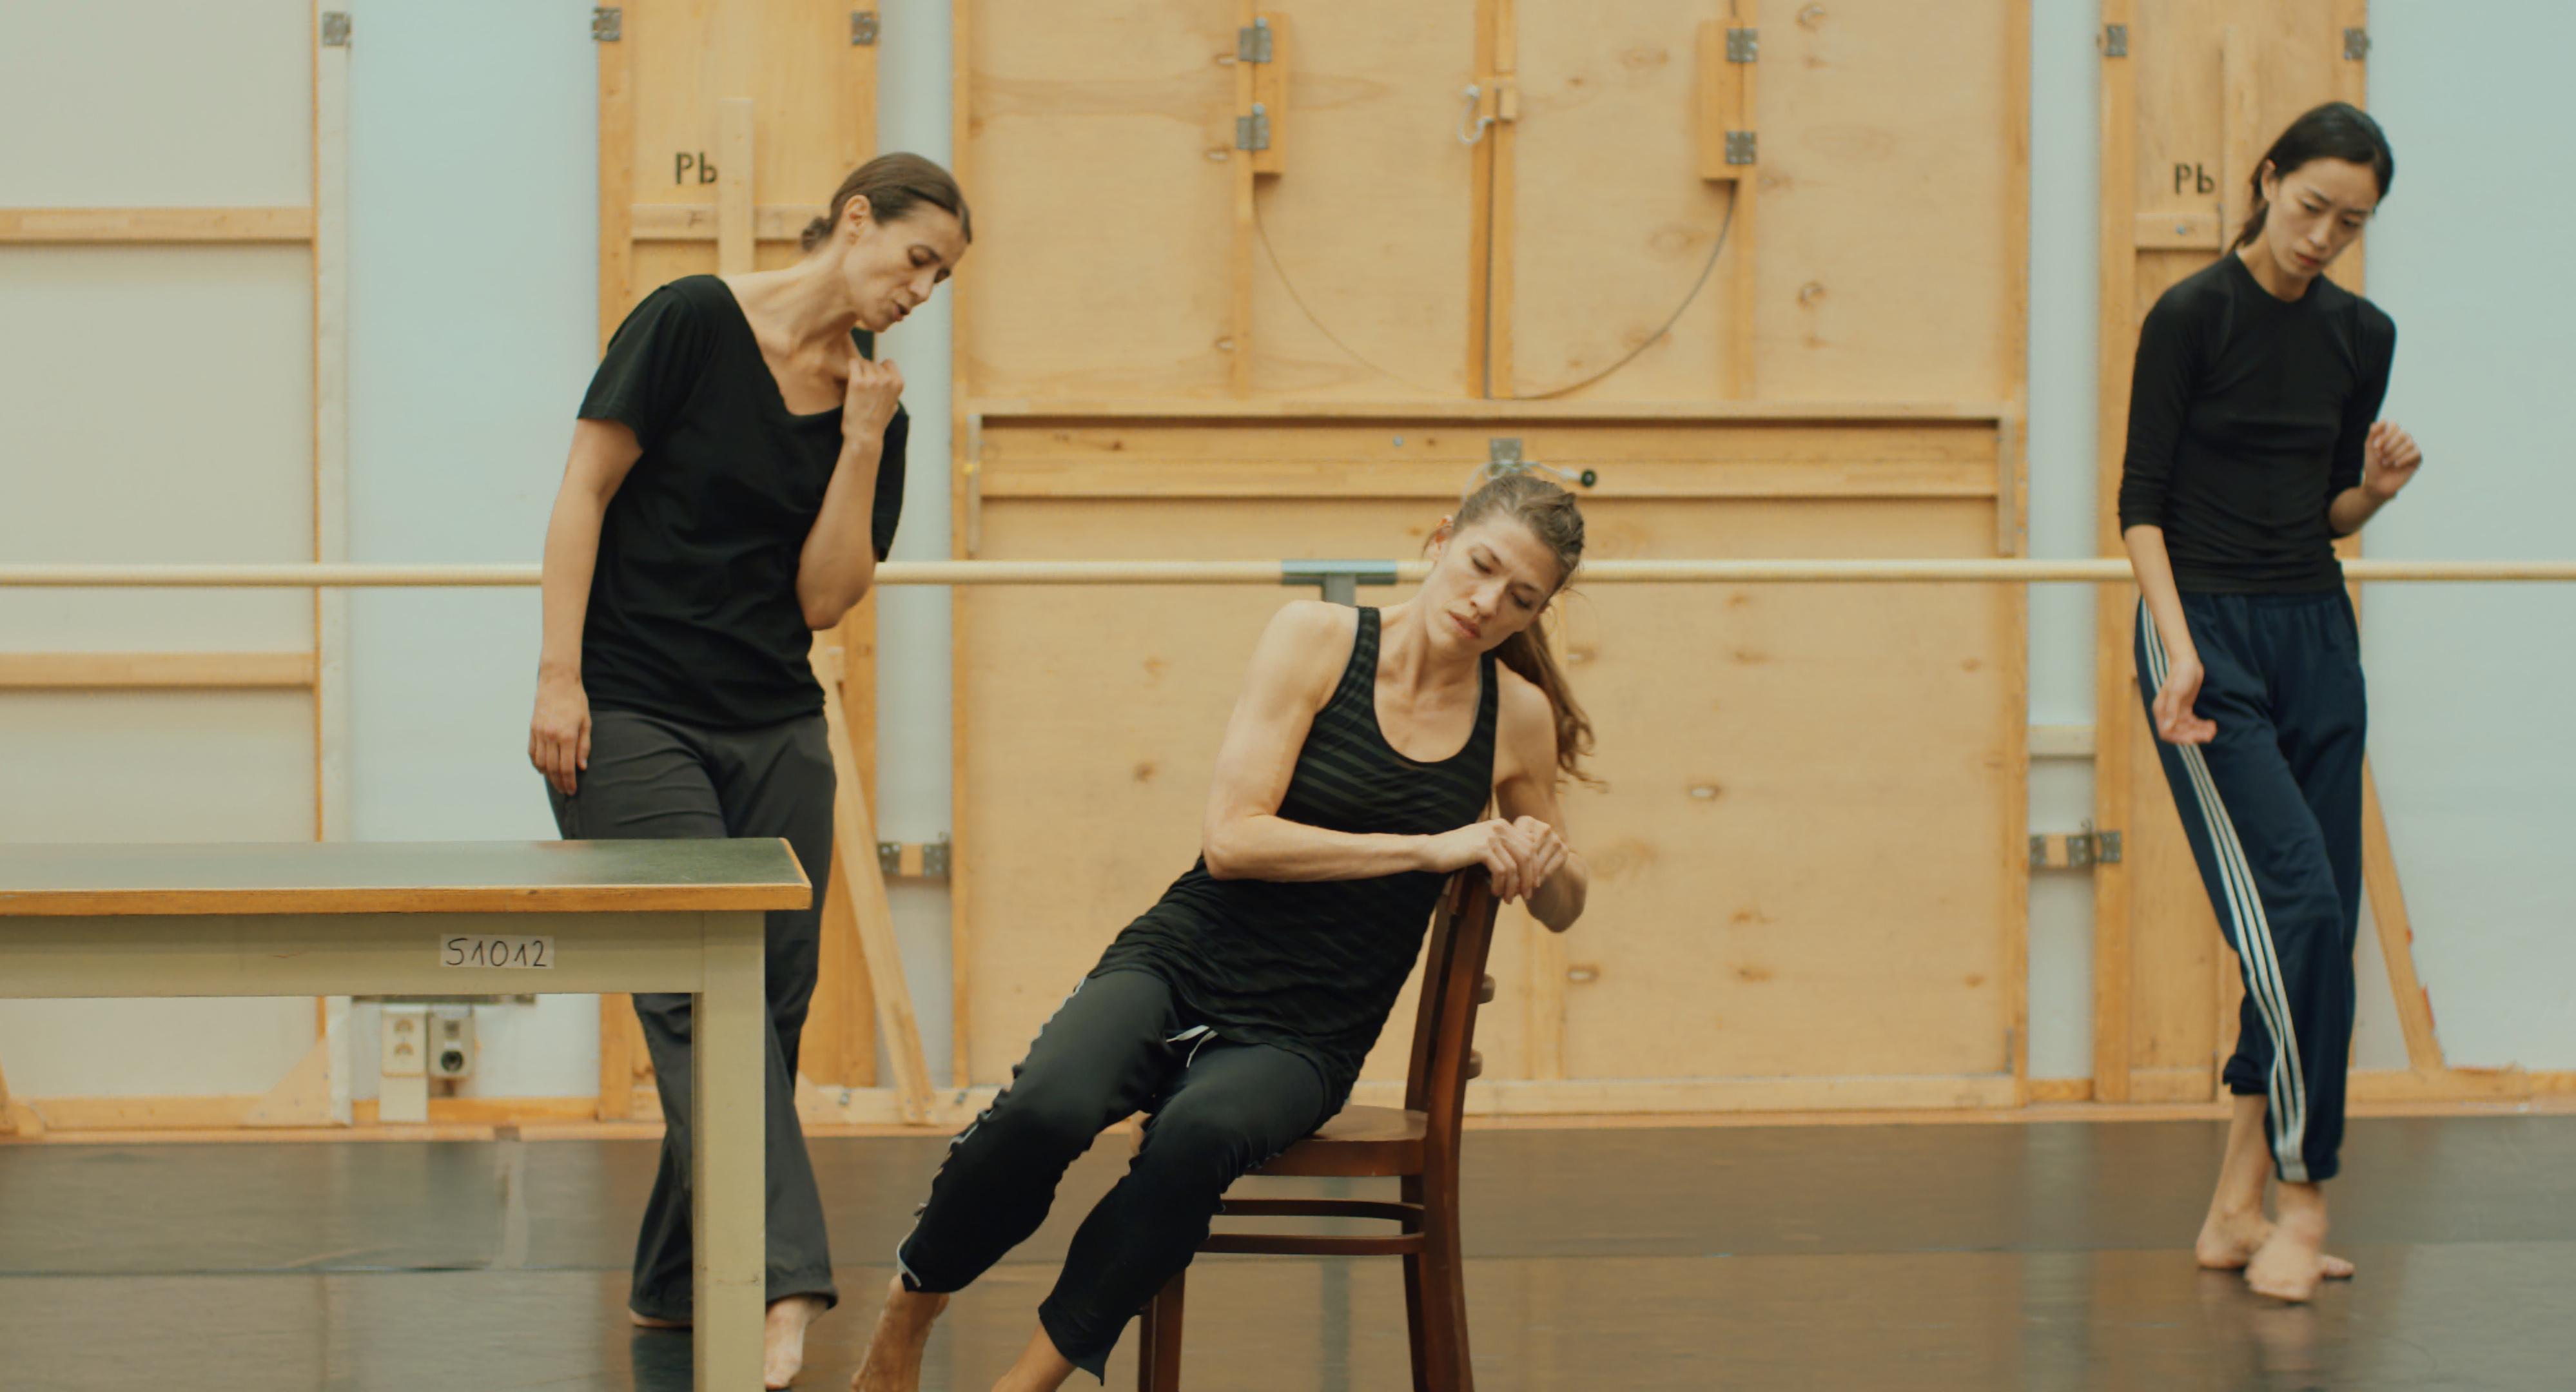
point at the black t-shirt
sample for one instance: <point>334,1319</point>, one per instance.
<point>693,611</point>
<point>2247,415</point>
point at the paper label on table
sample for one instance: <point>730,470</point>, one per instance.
<point>497,950</point>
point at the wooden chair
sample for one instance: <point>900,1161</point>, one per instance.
<point>1416,1145</point>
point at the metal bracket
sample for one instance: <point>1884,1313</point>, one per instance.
<point>2115,41</point>
<point>335,28</point>
<point>863,28</point>
<point>1503,456</point>
<point>2356,44</point>
<point>607,24</point>
<point>2083,849</point>
<point>1252,42</point>
<point>934,859</point>
<point>1253,132</point>
<point>1340,581</point>
<point>1743,45</point>
<point>1740,147</point>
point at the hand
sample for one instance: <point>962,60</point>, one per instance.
<point>1495,845</point>
<point>1544,852</point>
<point>2176,721</point>
<point>559,733</point>
<point>868,399</point>
<point>2389,460</point>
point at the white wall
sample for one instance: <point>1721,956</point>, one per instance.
<point>155,405</point>
<point>2470,686</point>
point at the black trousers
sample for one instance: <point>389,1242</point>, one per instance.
<point>2273,810</point>
<point>651,778</point>
<point>1117,1046</point>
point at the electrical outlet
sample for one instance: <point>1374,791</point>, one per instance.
<point>451,1041</point>
<point>406,1041</point>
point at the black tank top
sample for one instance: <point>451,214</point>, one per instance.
<point>1315,967</point>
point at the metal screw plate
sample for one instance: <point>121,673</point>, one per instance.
<point>1743,45</point>
<point>608,24</point>
<point>335,28</point>
<point>863,28</point>
<point>2115,41</point>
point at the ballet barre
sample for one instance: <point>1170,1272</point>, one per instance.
<point>1325,573</point>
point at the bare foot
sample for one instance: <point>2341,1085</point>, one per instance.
<point>2229,1241</point>
<point>649,1322</point>
<point>782,1339</point>
<point>2290,1262</point>
<point>894,1352</point>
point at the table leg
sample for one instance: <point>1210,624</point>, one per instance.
<point>730,1188</point>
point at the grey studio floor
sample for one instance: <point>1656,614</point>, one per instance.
<point>2041,1255</point>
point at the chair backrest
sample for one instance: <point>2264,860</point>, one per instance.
<point>1453,985</point>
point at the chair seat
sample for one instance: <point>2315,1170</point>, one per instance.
<point>1358,1143</point>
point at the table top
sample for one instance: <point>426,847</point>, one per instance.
<point>401,877</point>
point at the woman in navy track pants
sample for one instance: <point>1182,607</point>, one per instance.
<point>2254,441</point>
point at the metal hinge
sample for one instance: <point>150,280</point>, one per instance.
<point>2356,44</point>
<point>1743,45</point>
<point>2115,41</point>
<point>335,28</point>
<point>1740,147</point>
<point>1253,132</point>
<point>1252,42</point>
<point>863,28</point>
<point>1503,454</point>
<point>934,859</point>
<point>607,24</point>
<point>2084,848</point>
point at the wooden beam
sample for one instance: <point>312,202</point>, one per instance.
<point>616,204</point>
<point>1503,148</point>
<point>1743,224</point>
<point>696,222</point>
<point>2112,801</point>
<point>736,253</point>
<point>2241,133</point>
<point>2396,931</point>
<point>1482,212</point>
<point>853,827</point>
<point>161,226</point>
<point>2190,229</point>
<point>1270,93</point>
<point>965,441</point>
<point>330,430</point>
<point>1005,410</point>
<point>83,671</point>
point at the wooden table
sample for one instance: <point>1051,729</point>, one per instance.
<point>359,918</point>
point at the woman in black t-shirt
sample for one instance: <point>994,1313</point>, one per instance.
<point>735,477</point>
<point>2254,441</point>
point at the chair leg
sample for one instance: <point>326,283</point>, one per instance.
<point>1416,1328</point>
<point>1444,1296</point>
<point>1158,1339</point>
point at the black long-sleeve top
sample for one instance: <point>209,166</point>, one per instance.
<point>2247,415</point>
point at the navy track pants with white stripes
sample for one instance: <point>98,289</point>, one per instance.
<point>2273,809</point>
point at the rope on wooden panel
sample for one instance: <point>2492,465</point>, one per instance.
<point>1716,249</point>
<point>1595,572</point>
<point>1261,229</point>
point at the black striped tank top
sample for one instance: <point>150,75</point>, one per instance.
<point>1315,967</point>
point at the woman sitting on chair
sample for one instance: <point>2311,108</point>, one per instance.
<point>1353,781</point>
